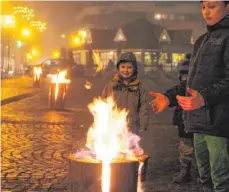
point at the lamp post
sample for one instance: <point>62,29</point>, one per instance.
<point>7,24</point>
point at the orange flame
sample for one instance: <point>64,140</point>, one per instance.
<point>59,78</point>
<point>37,73</point>
<point>88,85</point>
<point>109,136</point>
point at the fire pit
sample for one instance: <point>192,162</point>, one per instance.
<point>112,158</point>
<point>57,90</point>
<point>85,174</point>
<point>37,71</point>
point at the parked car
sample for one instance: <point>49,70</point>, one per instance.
<point>53,66</point>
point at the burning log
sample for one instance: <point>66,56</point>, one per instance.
<point>57,90</point>
<point>84,175</point>
<point>37,71</point>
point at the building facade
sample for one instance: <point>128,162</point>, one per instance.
<point>152,44</point>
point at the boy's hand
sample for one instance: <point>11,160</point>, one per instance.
<point>160,103</point>
<point>189,103</point>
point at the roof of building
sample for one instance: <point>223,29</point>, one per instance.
<point>139,34</point>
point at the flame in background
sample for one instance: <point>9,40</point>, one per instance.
<point>88,85</point>
<point>37,73</point>
<point>109,136</point>
<point>57,79</point>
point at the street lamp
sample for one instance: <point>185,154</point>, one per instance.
<point>34,52</point>
<point>7,25</point>
<point>56,54</point>
<point>19,43</point>
<point>26,32</point>
<point>158,16</point>
<point>29,56</point>
<point>63,36</point>
<point>7,21</point>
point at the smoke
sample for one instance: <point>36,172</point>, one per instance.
<point>104,8</point>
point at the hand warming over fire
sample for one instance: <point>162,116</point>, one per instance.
<point>160,103</point>
<point>189,103</point>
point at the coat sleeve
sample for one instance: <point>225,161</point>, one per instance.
<point>218,93</point>
<point>179,89</point>
<point>144,108</point>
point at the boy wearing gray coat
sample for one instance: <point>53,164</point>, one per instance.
<point>129,93</point>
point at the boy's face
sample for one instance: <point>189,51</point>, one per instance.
<point>126,70</point>
<point>214,11</point>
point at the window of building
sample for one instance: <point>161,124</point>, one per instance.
<point>151,58</point>
<point>157,16</point>
<point>106,56</point>
<point>181,17</point>
<point>171,16</point>
<point>163,58</point>
<point>176,58</point>
<point>138,56</point>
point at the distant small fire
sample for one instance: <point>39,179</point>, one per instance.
<point>88,85</point>
<point>37,71</point>
<point>58,79</point>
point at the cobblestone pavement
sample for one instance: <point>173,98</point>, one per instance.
<point>36,142</point>
<point>16,86</point>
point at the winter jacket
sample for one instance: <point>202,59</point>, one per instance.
<point>132,97</point>
<point>209,75</point>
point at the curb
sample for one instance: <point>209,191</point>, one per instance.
<point>18,97</point>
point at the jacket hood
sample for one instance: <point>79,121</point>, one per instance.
<point>128,57</point>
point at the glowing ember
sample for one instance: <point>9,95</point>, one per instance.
<point>88,85</point>
<point>109,137</point>
<point>37,73</point>
<point>57,79</point>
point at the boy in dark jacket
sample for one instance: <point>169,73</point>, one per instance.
<point>128,92</point>
<point>186,149</point>
<point>206,104</point>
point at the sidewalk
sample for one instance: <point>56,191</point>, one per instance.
<point>17,88</point>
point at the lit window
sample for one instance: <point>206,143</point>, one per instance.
<point>164,16</point>
<point>181,17</point>
<point>157,16</point>
<point>171,16</point>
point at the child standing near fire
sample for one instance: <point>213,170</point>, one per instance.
<point>129,93</point>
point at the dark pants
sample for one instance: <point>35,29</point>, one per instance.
<point>212,158</point>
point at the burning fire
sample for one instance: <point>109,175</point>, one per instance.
<point>57,79</point>
<point>88,85</point>
<point>37,73</point>
<point>109,137</point>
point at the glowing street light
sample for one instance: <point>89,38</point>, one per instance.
<point>19,43</point>
<point>29,56</point>
<point>158,16</point>
<point>7,21</point>
<point>76,40</point>
<point>34,52</point>
<point>63,36</point>
<point>56,54</point>
<point>26,32</point>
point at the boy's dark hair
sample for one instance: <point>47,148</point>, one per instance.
<point>225,2</point>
